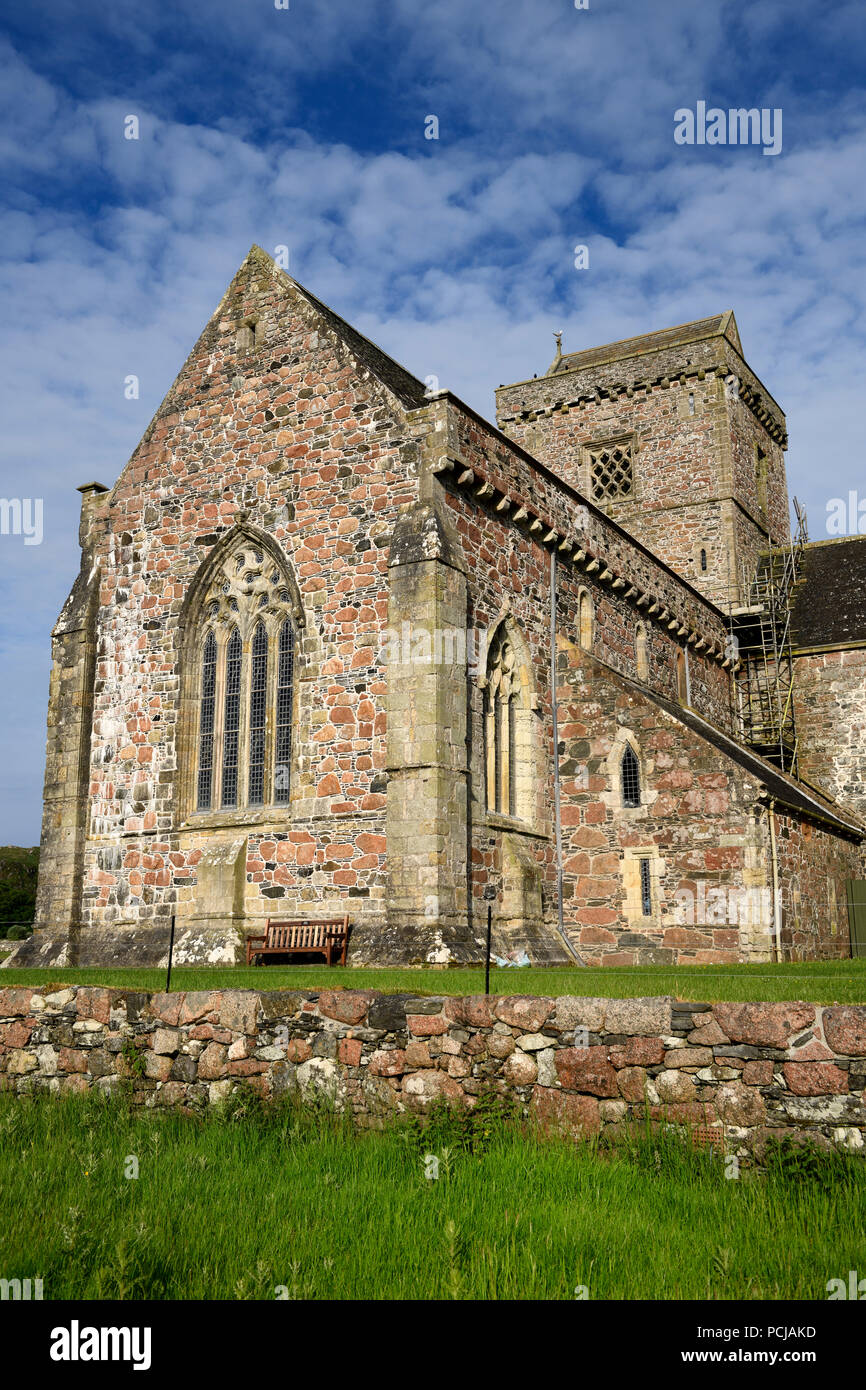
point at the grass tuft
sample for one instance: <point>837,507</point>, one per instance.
<point>263,1199</point>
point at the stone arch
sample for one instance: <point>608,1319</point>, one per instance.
<point>613,765</point>
<point>514,771</point>
<point>246,584</point>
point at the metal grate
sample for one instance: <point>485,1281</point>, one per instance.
<point>646,897</point>
<point>232,720</point>
<point>258,706</point>
<point>206,723</point>
<point>610,472</point>
<point>630,775</point>
<point>285,676</point>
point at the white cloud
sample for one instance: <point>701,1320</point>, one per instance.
<point>456,257</point>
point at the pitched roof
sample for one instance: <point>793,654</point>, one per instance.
<point>784,788</point>
<point>719,326</point>
<point>829,599</point>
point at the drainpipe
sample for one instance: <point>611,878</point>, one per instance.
<point>775,862</point>
<point>556,786</point>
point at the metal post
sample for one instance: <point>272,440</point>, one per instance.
<point>487,951</point>
<point>170,954</point>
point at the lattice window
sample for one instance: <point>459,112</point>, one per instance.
<point>630,777</point>
<point>258,715</point>
<point>610,471</point>
<point>283,759</point>
<point>232,720</point>
<point>206,723</point>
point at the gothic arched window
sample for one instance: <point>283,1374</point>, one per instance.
<point>629,771</point>
<point>513,760</point>
<point>502,692</point>
<point>245,700</point>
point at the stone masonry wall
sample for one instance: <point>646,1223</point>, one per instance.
<point>293,441</point>
<point>703,830</point>
<point>739,1071</point>
<point>813,869</point>
<point>830,693</point>
<point>694,447</point>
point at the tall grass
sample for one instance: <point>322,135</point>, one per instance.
<point>821,982</point>
<point>256,1199</point>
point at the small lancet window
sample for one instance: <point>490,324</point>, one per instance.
<point>586,620</point>
<point>247,337</point>
<point>704,561</point>
<point>641,651</point>
<point>682,678</point>
<point>646,896</point>
<point>630,777</point>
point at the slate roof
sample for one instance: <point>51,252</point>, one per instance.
<point>829,599</point>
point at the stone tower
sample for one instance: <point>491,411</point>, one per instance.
<point>674,436</point>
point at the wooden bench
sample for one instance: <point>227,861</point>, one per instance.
<point>324,936</point>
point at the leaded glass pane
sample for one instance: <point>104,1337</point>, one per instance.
<point>258,708</point>
<point>231,727</point>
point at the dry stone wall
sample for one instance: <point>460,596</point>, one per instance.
<point>736,1072</point>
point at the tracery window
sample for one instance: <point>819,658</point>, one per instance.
<point>502,694</point>
<point>245,645</point>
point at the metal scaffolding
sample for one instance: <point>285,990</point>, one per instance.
<point>761,637</point>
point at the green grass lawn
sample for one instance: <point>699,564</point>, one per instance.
<point>234,1207</point>
<point>822,982</point>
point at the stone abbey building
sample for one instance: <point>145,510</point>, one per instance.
<point>338,643</point>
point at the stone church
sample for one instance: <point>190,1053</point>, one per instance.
<point>338,643</point>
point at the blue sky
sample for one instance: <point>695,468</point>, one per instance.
<point>304,127</point>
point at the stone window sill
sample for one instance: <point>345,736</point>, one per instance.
<point>494,821</point>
